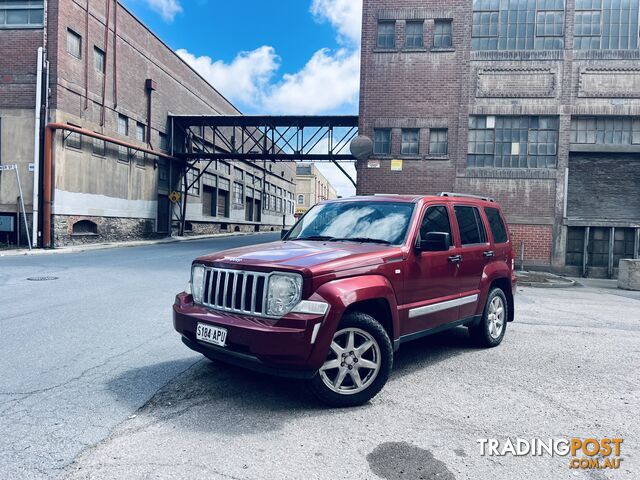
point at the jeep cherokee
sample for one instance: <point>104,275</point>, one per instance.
<point>349,284</point>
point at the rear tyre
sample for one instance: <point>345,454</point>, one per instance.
<point>491,329</point>
<point>358,363</point>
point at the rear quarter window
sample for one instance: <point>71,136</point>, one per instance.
<point>497,226</point>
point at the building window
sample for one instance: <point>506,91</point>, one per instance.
<point>73,139</point>
<point>224,168</point>
<point>414,34</point>
<point>410,141</point>
<point>300,199</point>
<point>239,174</point>
<point>606,24</point>
<point>439,141</point>
<point>164,142</point>
<point>575,246</point>
<point>123,130</point>
<point>518,24</point>
<point>605,131</point>
<point>238,193</point>
<point>442,34</point>
<point>74,43</point>
<point>140,137</point>
<point>98,59</point>
<point>382,141</point>
<point>99,147</point>
<point>193,181</point>
<point>513,142</point>
<point>387,35</point>
<point>21,13</point>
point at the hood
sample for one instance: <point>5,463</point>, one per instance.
<point>314,258</point>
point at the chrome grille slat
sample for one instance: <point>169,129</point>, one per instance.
<point>253,293</point>
<point>222,287</point>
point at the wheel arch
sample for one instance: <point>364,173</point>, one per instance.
<point>504,284</point>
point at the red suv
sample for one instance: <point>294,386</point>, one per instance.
<point>348,285</point>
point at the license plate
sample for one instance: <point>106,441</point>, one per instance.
<point>210,334</point>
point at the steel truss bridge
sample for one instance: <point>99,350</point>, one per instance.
<point>204,139</point>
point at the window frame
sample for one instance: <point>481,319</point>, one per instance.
<point>29,8</point>
<point>439,131</point>
<point>123,152</point>
<point>406,148</point>
<point>438,45</point>
<point>75,35</point>
<point>99,54</point>
<point>386,45</point>
<point>377,142</point>
<point>417,39</point>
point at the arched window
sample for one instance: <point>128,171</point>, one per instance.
<point>85,227</point>
<point>300,199</point>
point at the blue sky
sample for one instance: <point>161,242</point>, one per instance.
<point>269,56</point>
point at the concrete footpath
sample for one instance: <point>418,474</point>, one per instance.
<point>138,243</point>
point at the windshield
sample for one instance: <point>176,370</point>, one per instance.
<point>373,222</point>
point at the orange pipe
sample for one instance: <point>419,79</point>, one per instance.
<point>48,168</point>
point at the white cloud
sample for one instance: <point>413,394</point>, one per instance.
<point>329,81</point>
<point>245,79</point>
<point>344,15</point>
<point>168,9</point>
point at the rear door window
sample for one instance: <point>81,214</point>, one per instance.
<point>471,228</point>
<point>497,226</point>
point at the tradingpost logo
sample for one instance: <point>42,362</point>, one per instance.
<point>584,454</point>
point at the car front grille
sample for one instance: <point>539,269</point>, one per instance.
<point>235,291</point>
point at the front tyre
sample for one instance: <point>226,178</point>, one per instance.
<point>358,363</point>
<point>491,329</point>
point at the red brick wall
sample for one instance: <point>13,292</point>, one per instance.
<point>18,69</point>
<point>538,241</point>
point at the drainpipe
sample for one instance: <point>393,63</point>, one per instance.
<point>49,165</point>
<point>106,57</point>
<point>36,149</point>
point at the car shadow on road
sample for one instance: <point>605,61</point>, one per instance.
<point>212,396</point>
<point>422,353</point>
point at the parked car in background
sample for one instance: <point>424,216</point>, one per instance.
<point>351,282</point>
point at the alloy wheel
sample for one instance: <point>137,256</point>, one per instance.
<point>353,362</point>
<point>496,317</point>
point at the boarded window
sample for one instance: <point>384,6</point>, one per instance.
<point>74,43</point>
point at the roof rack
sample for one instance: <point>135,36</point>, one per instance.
<point>466,195</point>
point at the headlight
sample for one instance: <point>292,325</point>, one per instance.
<point>197,283</point>
<point>284,293</point>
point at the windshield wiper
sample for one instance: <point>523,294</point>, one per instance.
<point>362,240</point>
<point>318,238</point>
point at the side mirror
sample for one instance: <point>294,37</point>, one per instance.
<point>435,242</point>
<point>283,233</point>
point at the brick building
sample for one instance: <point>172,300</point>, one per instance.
<point>109,74</point>
<point>311,187</point>
<point>534,102</point>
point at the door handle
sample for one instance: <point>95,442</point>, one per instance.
<point>455,258</point>
<point>489,254</point>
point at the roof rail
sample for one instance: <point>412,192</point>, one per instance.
<point>466,195</point>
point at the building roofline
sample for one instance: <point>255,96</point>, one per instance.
<point>157,37</point>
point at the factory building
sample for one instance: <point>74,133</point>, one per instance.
<point>535,103</point>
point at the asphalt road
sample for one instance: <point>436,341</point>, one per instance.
<point>80,354</point>
<point>94,384</point>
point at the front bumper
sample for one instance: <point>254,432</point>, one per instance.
<point>278,346</point>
